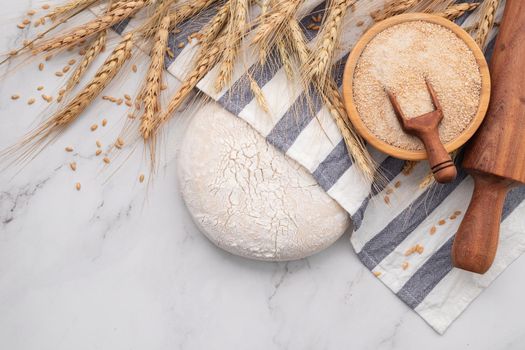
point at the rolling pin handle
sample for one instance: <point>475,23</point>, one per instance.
<point>476,241</point>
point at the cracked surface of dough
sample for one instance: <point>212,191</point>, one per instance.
<point>247,197</point>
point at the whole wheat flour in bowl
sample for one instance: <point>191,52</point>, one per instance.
<point>399,58</point>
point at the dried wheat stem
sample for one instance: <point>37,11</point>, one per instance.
<point>236,31</point>
<point>188,10</point>
<point>354,144</point>
<point>259,94</point>
<point>285,56</point>
<point>216,25</point>
<point>151,91</point>
<point>121,10</point>
<point>149,28</point>
<point>30,44</point>
<point>457,10</point>
<point>45,132</point>
<point>96,47</point>
<point>67,7</point>
<point>273,22</point>
<point>487,18</point>
<point>204,64</point>
<point>102,78</point>
<point>321,58</point>
<point>297,42</point>
<point>393,8</point>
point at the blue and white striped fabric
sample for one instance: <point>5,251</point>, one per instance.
<point>384,228</point>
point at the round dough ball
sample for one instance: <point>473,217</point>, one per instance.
<point>247,197</point>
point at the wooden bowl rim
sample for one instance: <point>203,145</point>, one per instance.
<point>349,75</point>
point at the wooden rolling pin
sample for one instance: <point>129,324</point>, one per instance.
<point>496,155</point>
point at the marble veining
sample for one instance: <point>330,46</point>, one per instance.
<point>120,265</point>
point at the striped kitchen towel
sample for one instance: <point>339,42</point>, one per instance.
<point>388,219</point>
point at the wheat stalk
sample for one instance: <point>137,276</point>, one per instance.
<point>149,28</point>
<point>72,110</point>
<point>121,10</point>
<point>486,23</point>
<point>188,10</point>
<point>273,22</point>
<point>354,144</point>
<point>297,43</point>
<point>457,10</point>
<point>214,27</point>
<point>286,58</point>
<point>327,88</point>
<point>102,78</point>
<point>151,92</point>
<point>206,61</point>
<point>66,8</point>
<point>236,30</point>
<point>393,8</point>
<point>96,47</point>
<point>321,57</point>
<point>259,94</point>
<point>30,43</point>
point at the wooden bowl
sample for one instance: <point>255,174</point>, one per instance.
<point>348,92</point>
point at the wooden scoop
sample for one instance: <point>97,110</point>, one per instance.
<point>496,156</point>
<point>425,127</point>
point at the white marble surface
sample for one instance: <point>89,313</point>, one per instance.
<point>120,265</point>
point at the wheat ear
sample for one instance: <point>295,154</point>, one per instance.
<point>188,10</point>
<point>297,42</point>
<point>151,91</point>
<point>259,94</point>
<point>96,47</point>
<point>51,127</point>
<point>322,55</point>
<point>204,64</point>
<point>273,23</point>
<point>393,8</point>
<point>354,144</point>
<point>67,7</point>
<point>236,30</point>
<point>457,10</point>
<point>297,45</point>
<point>30,44</point>
<point>121,10</point>
<point>215,26</point>
<point>487,18</point>
<point>102,78</point>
